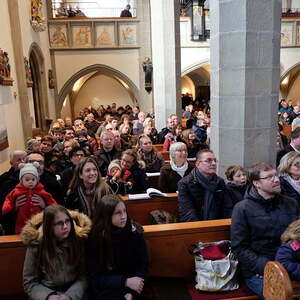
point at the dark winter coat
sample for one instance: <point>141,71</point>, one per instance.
<point>104,158</point>
<point>257,225</point>
<point>290,259</point>
<point>236,191</point>
<point>288,190</point>
<point>200,199</point>
<point>139,179</point>
<point>130,259</point>
<point>169,178</point>
<point>281,153</point>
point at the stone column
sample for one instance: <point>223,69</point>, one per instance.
<point>16,37</point>
<point>165,34</point>
<point>245,71</point>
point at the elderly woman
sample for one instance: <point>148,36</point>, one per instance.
<point>171,173</point>
<point>289,171</point>
<point>146,152</point>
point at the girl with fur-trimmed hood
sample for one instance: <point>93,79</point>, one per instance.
<point>289,252</point>
<point>54,267</point>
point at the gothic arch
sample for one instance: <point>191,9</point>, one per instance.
<point>39,89</point>
<point>194,67</point>
<point>106,70</point>
<point>286,72</point>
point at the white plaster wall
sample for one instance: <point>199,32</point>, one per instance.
<point>103,90</point>
<point>289,57</point>
<point>193,54</point>
<point>295,4</point>
<point>41,38</point>
<point>9,106</point>
<point>70,62</point>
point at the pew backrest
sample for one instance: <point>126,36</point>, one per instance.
<point>168,245</point>
<point>139,209</point>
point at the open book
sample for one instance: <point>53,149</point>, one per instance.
<point>151,192</point>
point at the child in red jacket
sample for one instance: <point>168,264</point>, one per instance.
<point>29,185</point>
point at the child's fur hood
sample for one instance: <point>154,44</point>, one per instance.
<point>32,232</point>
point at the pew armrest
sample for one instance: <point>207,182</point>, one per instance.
<point>277,283</point>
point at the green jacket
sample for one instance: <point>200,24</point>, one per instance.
<point>68,280</point>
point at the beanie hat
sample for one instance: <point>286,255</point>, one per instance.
<point>29,169</point>
<point>30,143</point>
<point>114,164</point>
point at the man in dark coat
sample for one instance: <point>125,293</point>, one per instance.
<point>203,194</point>
<point>258,222</point>
<point>170,128</point>
<point>294,145</point>
<point>107,153</point>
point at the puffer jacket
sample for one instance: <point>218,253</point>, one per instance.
<point>256,227</point>
<point>68,280</point>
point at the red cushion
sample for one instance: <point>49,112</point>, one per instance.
<point>242,291</point>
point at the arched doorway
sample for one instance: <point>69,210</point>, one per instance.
<point>195,82</point>
<point>69,91</point>
<point>39,90</point>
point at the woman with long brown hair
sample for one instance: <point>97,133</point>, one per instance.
<point>54,262</point>
<point>86,187</point>
<point>117,253</point>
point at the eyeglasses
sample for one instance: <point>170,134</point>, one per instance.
<point>270,177</point>
<point>297,165</point>
<point>209,160</point>
<point>62,223</point>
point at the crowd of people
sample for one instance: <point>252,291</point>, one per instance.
<point>64,190</point>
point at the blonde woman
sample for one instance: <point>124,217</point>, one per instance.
<point>289,171</point>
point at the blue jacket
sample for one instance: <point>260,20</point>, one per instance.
<point>290,260</point>
<point>256,228</point>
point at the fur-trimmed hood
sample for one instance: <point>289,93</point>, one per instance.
<point>32,232</point>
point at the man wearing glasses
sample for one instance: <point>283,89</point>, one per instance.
<point>258,222</point>
<point>203,194</point>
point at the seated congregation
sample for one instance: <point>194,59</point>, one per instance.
<point>63,192</point>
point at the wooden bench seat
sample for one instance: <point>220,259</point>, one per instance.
<point>168,246</point>
<point>277,283</point>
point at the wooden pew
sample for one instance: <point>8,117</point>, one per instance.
<point>277,283</point>
<point>158,147</point>
<point>139,210</point>
<point>166,155</point>
<point>168,249</point>
<point>12,254</point>
<point>153,180</point>
<point>168,246</point>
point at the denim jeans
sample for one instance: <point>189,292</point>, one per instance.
<point>255,284</point>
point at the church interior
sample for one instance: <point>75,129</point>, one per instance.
<point>237,61</point>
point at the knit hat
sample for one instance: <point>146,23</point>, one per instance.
<point>114,164</point>
<point>29,169</point>
<point>30,143</point>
